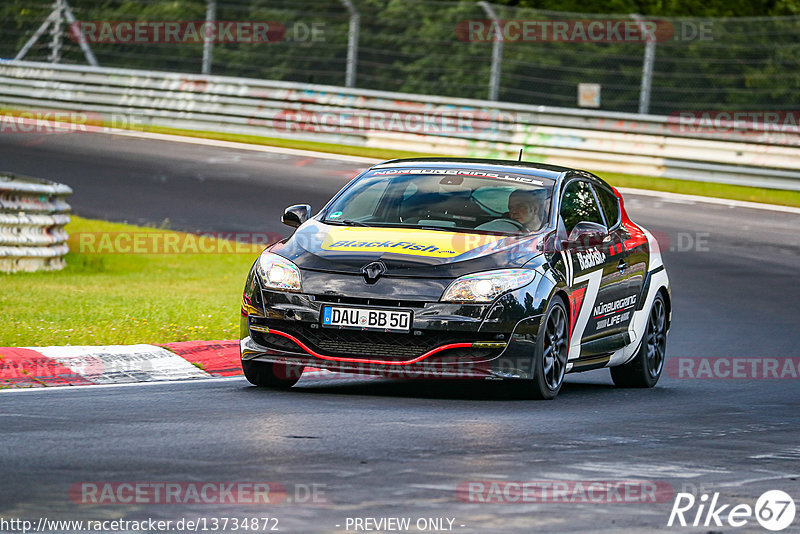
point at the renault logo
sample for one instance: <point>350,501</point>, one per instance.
<point>373,271</point>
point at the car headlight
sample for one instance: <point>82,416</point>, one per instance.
<point>277,272</point>
<point>487,286</point>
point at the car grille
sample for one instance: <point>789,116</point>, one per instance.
<point>377,344</point>
<point>372,345</point>
<point>391,303</point>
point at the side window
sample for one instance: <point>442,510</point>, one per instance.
<point>609,204</point>
<point>578,204</point>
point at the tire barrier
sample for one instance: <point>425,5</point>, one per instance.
<point>33,214</point>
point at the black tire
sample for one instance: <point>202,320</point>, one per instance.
<point>550,360</point>
<point>271,375</point>
<point>644,370</point>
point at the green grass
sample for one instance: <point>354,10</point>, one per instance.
<point>688,187</point>
<point>124,298</point>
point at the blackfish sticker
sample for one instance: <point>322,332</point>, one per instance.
<point>432,244</point>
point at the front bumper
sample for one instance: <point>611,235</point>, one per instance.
<point>469,341</point>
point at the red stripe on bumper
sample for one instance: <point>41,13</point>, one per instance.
<point>361,360</point>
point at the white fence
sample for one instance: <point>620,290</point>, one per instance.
<point>728,152</point>
<point>33,214</point>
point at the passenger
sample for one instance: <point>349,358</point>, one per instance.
<point>527,208</point>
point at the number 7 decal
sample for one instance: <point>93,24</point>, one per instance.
<point>584,306</point>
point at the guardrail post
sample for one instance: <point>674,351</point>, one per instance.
<point>57,31</point>
<point>647,68</point>
<point>352,43</point>
<point>208,42</point>
<point>497,52</point>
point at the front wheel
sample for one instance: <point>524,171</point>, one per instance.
<point>550,361</point>
<point>645,368</point>
<point>271,375</point>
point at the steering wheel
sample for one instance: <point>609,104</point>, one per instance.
<point>517,224</point>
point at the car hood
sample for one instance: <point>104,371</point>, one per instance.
<point>406,252</point>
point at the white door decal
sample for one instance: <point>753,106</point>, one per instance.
<point>589,300</point>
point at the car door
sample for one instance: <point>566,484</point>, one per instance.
<point>623,274</point>
<point>592,274</point>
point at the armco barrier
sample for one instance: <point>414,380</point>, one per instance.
<point>755,154</point>
<point>33,214</point>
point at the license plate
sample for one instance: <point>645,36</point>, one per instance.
<point>367,318</point>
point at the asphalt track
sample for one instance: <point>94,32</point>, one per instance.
<point>379,448</point>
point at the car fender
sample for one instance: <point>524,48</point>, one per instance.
<point>658,281</point>
<point>518,357</point>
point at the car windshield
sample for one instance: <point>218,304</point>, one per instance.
<point>465,200</point>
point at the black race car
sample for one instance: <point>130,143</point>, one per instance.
<point>460,268</point>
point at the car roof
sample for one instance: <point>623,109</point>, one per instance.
<point>541,170</point>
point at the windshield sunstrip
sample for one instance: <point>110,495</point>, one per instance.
<point>461,172</point>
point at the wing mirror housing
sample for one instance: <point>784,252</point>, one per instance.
<point>296,215</point>
<point>587,234</point>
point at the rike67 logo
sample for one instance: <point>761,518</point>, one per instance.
<point>774,510</point>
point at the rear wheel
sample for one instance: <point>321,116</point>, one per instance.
<point>271,375</point>
<point>550,362</point>
<point>645,368</point>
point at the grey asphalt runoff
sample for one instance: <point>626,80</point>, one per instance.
<point>379,448</point>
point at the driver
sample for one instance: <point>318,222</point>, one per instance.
<point>527,208</point>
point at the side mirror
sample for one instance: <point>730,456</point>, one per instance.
<point>587,234</point>
<point>296,215</point>
<point>553,244</point>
